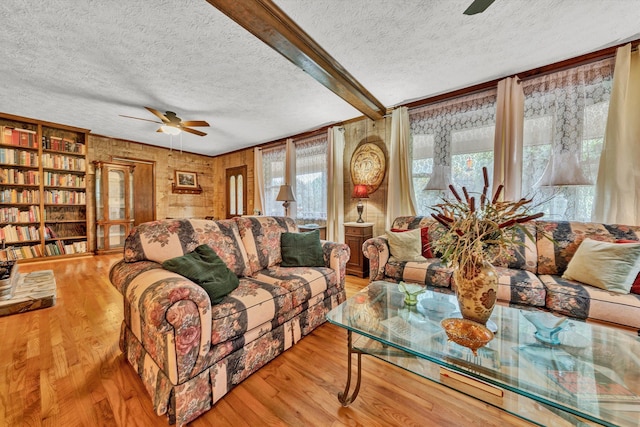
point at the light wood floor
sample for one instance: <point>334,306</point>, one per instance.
<point>61,366</point>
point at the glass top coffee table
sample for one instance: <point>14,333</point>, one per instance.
<point>591,376</point>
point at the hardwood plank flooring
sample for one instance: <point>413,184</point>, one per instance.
<point>61,366</point>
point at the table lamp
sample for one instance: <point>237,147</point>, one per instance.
<point>360,192</point>
<point>286,195</point>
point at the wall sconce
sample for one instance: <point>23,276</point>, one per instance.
<point>360,192</point>
<point>286,195</point>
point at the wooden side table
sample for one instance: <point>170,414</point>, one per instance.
<point>355,235</point>
<point>311,227</point>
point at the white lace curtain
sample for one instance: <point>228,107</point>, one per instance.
<point>564,120</point>
<point>273,169</point>
<point>311,179</point>
<point>451,141</point>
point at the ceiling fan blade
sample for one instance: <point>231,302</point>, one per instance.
<point>158,114</point>
<point>193,131</point>
<point>138,118</point>
<point>478,6</point>
<point>160,130</point>
<point>195,123</point>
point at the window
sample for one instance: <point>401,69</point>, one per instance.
<point>311,180</point>
<point>310,188</point>
<point>565,116</point>
<point>273,166</point>
<point>451,141</point>
<point>236,191</point>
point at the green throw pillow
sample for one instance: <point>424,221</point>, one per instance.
<point>301,249</point>
<point>204,267</point>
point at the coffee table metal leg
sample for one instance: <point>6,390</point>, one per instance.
<point>344,397</point>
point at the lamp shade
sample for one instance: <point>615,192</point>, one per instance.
<point>360,192</point>
<point>440,178</point>
<point>286,194</point>
<point>171,130</point>
<point>563,169</point>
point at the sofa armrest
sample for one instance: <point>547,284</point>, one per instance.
<point>336,255</point>
<point>171,316</point>
<point>377,250</point>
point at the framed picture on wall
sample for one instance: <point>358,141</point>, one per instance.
<point>186,180</point>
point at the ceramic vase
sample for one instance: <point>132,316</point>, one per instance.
<point>476,291</point>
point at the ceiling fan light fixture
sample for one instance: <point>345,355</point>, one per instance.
<point>170,129</point>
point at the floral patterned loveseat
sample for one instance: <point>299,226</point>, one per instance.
<point>530,276</point>
<point>188,352</point>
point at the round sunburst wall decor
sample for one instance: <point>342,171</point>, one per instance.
<point>368,166</point>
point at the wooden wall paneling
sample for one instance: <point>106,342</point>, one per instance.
<point>220,165</point>
<point>168,205</point>
<point>366,130</point>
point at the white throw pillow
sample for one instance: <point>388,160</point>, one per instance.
<point>610,266</point>
<point>406,246</point>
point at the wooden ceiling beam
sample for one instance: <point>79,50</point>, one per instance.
<point>269,23</point>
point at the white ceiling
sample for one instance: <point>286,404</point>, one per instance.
<point>84,63</point>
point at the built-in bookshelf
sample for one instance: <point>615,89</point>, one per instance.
<point>43,197</point>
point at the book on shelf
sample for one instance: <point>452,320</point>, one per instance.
<point>57,143</point>
<point>18,137</point>
<point>14,253</point>
<point>14,214</point>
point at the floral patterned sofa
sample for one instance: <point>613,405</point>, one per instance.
<point>188,352</point>
<point>530,276</point>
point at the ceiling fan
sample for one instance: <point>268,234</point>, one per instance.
<point>478,6</point>
<point>172,124</point>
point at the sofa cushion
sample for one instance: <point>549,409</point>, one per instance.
<point>575,299</point>
<point>206,269</point>
<point>553,258</point>
<point>429,272</point>
<point>223,237</point>
<point>261,238</point>
<point>303,283</point>
<point>605,265</point>
<point>523,254</point>
<point>424,240</point>
<point>520,287</point>
<point>301,249</point>
<point>250,305</point>
<point>162,240</point>
<point>405,246</point>
<point>267,300</point>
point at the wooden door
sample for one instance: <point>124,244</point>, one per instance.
<point>114,208</point>
<point>144,190</point>
<point>236,185</point>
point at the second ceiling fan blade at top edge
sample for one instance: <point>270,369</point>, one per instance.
<point>158,114</point>
<point>195,123</point>
<point>478,6</point>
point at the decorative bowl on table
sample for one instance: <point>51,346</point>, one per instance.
<point>467,333</point>
<point>411,292</point>
<point>548,325</point>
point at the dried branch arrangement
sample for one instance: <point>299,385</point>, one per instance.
<point>478,232</point>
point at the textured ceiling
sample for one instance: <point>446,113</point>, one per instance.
<point>84,63</point>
